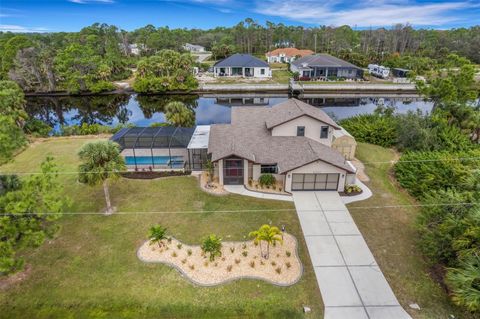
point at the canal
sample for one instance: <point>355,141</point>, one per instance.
<point>209,109</point>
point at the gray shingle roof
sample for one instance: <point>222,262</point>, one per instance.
<point>248,137</point>
<point>293,108</point>
<point>242,60</point>
<point>323,60</point>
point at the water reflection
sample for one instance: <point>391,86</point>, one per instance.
<point>143,110</point>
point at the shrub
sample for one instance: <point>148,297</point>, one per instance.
<point>237,261</point>
<point>252,264</point>
<point>37,128</point>
<point>372,128</point>
<point>278,270</point>
<point>229,268</point>
<point>352,189</point>
<point>179,246</point>
<point>267,180</point>
<point>464,282</point>
<point>232,249</point>
<point>174,254</point>
<point>192,267</point>
<point>244,253</point>
<point>189,252</point>
<point>184,260</point>
<point>288,264</point>
<point>212,245</point>
<point>288,253</point>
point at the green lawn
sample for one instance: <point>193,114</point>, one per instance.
<point>391,235</point>
<point>90,269</point>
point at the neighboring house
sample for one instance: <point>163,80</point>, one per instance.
<point>344,143</point>
<point>286,55</point>
<point>292,140</point>
<point>242,65</point>
<point>322,66</point>
<point>194,48</point>
<point>132,49</point>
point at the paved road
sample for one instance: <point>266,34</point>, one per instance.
<point>351,283</point>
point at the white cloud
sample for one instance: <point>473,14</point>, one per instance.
<point>21,29</point>
<point>369,13</point>
<point>91,1</point>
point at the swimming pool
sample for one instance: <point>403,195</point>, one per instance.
<point>175,161</point>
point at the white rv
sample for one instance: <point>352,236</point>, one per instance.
<point>379,71</point>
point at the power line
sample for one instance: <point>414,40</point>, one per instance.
<point>251,210</point>
<point>265,166</point>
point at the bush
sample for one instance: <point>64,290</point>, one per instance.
<point>212,245</point>
<point>267,180</point>
<point>85,129</point>
<point>37,128</point>
<point>422,172</point>
<point>352,189</point>
<point>372,128</point>
<point>464,282</point>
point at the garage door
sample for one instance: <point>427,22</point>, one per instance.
<point>315,182</point>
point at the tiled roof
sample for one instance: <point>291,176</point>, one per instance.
<point>242,60</point>
<point>248,137</point>
<point>290,52</point>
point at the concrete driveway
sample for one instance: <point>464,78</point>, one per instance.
<point>351,283</point>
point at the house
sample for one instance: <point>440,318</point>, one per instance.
<point>324,66</point>
<point>291,140</point>
<point>194,48</point>
<point>242,65</point>
<point>286,55</point>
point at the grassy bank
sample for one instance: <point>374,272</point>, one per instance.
<point>90,270</point>
<point>391,235</point>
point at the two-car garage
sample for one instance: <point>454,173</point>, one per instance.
<point>315,182</point>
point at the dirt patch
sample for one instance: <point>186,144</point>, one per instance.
<point>238,260</point>
<point>361,175</point>
<point>8,281</point>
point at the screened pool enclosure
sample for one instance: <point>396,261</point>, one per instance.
<point>155,148</point>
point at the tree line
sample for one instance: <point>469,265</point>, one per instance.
<point>439,166</point>
<point>89,60</point>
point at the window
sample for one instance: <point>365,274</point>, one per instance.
<point>300,130</point>
<point>262,71</point>
<point>324,132</point>
<point>269,169</point>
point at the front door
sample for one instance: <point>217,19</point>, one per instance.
<point>233,171</point>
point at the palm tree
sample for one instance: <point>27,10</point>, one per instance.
<point>178,114</point>
<point>157,235</point>
<point>268,234</point>
<point>101,161</point>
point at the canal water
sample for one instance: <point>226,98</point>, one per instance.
<point>145,110</point>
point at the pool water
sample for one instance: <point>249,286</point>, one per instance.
<point>176,161</point>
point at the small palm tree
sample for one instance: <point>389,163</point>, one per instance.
<point>178,114</point>
<point>212,245</point>
<point>268,234</point>
<point>157,234</point>
<point>101,161</point>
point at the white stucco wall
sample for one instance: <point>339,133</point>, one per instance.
<point>316,168</point>
<point>257,72</point>
<point>220,172</point>
<point>312,129</point>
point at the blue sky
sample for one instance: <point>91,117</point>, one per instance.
<point>72,15</point>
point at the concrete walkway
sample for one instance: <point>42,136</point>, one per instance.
<point>351,283</point>
<point>241,190</point>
